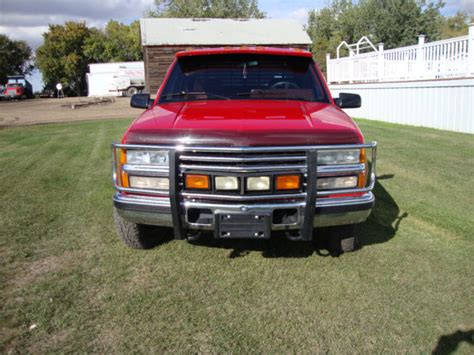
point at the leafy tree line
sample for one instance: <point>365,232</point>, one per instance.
<point>15,58</point>
<point>395,23</point>
<point>69,48</point>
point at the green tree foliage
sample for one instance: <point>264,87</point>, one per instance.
<point>392,22</point>
<point>15,58</point>
<point>116,43</point>
<point>207,9</point>
<point>61,58</point>
<point>68,49</point>
<point>455,26</point>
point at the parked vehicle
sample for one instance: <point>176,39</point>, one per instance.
<point>116,79</point>
<point>2,92</point>
<point>18,88</point>
<point>46,94</point>
<point>243,142</point>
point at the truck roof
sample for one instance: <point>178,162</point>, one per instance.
<point>245,50</point>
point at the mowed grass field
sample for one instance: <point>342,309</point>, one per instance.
<point>68,283</point>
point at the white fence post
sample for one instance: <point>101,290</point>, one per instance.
<point>419,57</point>
<point>351,70</point>
<point>470,47</point>
<point>328,69</point>
<point>380,66</point>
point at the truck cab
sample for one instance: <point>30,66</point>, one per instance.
<point>243,143</point>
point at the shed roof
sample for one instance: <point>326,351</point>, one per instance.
<point>228,32</point>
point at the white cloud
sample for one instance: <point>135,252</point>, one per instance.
<point>300,15</point>
<point>467,6</point>
<point>28,19</point>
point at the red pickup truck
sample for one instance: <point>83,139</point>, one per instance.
<point>243,142</point>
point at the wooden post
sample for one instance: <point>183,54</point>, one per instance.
<point>380,66</point>
<point>419,57</point>
<point>470,47</point>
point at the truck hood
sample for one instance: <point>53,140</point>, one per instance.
<point>243,123</point>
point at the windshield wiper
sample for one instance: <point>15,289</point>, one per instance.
<point>196,93</point>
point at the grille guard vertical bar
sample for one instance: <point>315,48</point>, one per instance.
<point>306,232</point>
<point>174,195</point>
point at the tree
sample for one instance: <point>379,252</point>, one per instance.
<point>61,58</point>
<point>207,9</point>
<point>455,26</point>
<point>392,22</point>
<point>15,58</point>
<point>116,43</point>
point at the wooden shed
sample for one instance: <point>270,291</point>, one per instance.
<point>162,38</point>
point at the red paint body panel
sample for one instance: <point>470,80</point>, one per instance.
<point>245,50</point>
<point>244,122</point>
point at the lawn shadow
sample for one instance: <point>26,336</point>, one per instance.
<point>380,227</point>
<point>447,344</point>
<point>383,223</point>
<point>159,236</point>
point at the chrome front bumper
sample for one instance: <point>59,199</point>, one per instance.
<point>329,211</point>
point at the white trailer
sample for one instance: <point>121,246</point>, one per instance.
<point>115,79</point>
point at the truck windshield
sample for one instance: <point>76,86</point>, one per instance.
<point>243,76</point>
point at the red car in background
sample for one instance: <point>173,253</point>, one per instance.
<point>18,88</point>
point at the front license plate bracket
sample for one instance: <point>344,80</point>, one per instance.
<point>243,225</point>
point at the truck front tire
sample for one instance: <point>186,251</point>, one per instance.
<point>137,236</point>
<point>343,239</point>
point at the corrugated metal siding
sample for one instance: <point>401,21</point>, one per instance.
<point>442,104</point>
<point>179,31</point>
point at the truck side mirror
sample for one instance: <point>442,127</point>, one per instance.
<point>348,100</point>
<point>140,101</point>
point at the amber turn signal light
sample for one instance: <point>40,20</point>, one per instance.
<point>193,181</point>
<point>123,175</point>
<point>363,175</point>
<point>288,182</point>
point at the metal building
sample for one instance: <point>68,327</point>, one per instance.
<point>161,38</point>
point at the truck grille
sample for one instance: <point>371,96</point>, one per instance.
<point>243,165</point>
<point>244,162</point>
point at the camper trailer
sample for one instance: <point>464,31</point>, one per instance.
<point>115,79</point>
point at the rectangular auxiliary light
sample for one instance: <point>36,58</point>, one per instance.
<point>287,182</point>
<point>258,183</point>
<point>194,181</point>
<point>228,183</point>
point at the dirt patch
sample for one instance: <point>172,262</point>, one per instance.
<point>30,272</point>
<point>38,111</point>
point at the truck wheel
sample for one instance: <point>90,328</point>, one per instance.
<point>137,236</point>
<point>343,239</point>
<point>132,91</point>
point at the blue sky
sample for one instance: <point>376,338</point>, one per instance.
<point>28,19</point>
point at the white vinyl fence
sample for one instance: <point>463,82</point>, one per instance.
<point>444,104</point>
<point>451,58</point>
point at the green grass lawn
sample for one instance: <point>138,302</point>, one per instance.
<point>410,288</point>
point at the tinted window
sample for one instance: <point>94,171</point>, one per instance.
<point>243,76</point>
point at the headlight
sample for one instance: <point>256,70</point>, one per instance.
<point>346,156</point>
<point>258,183</point>
<point>342,182</point>
<point>227,183</point>
<point>142,182</point>
<point>147,157</point>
